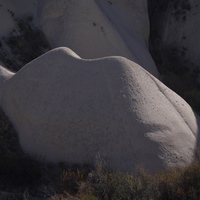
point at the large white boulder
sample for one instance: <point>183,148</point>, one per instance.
<point>69,109</point>
<point>91,28</point>
<point>96,29</point>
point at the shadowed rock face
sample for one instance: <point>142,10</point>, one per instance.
<point>70,109</point>
<point>175,46</point>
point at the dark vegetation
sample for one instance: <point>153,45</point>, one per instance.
<point>23,44</point>
<point>177,8</point>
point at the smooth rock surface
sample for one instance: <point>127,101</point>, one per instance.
<point>91,28</point>
<point>95,29</point>
<point>70,109</point>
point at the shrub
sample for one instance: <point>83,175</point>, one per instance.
<point>23,44</point>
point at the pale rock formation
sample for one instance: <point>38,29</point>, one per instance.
<point>96,29</point>
<point>70,109</point>
<point>92,28</point>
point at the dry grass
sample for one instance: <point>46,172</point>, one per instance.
<point>22,177</point>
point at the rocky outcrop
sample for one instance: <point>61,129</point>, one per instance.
<point>95,29</point>
<point>175,23</point>
<point>91,28</point>
<point>175,46</point>
<point>70,109</point>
